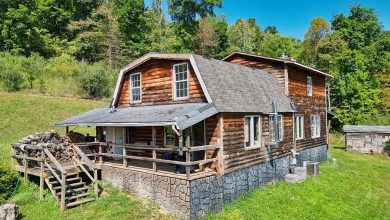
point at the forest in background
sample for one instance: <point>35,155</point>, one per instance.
<point>76,47</point>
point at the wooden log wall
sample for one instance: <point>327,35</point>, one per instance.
<point>308,105</point>
<point>236,156</point>
<point>297,91</point>
<point>157,84</point>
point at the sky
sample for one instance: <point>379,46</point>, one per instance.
<point>292,17</point>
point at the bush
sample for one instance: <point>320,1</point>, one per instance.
<point>8,182</point>
<point>94,80</point>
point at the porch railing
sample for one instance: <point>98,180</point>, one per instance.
<point>106,150</point>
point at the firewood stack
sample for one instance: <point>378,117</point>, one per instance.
<point>59,146</point>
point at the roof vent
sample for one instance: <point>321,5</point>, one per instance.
<point>283,56</point>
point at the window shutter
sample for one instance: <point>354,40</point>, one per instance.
<point>312,125</point>
<point>246,129</point>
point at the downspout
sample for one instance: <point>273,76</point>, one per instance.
<point>180,134</point>
<point>294,150</point>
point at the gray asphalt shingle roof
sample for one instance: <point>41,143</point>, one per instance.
<point>231,87</point>
<point>366,128</point>
<point>237,88</point>
<point>184,115</point>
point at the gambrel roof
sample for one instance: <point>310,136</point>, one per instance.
<point>231,87</point>
<point>227,87</point>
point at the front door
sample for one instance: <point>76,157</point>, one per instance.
<point>119,139</point>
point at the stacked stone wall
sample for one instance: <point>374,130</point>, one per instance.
<point>191,199</point>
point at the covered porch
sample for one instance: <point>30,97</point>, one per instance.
<point>179,140</point>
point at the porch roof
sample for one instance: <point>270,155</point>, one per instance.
<point>181,115</point>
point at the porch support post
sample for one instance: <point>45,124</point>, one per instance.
<point>188,156</point>
<point>67,130</point>
<point>154,162</point>
<point>154,136</point>
<point>124,157</point>
<point>220,169</point>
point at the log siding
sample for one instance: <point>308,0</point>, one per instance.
<point>295,79</point>
<point>157,85</point>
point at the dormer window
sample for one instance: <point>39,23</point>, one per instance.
<point>135,90</point>
<point>180,79</point>
<point>309,86</point>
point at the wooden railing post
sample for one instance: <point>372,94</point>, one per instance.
<point>188,156</point>
<point>63,192</point>
<point>41,181</point>
<point>95,183</point>
<point>154,163</point>
<point>100,154</point>
<point>124,157</point>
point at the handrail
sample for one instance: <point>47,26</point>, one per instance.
<point>147,147</point>
<point>84,157</point>
<point>53,172</point>
<point>55,161</point>
<point>83,168</point>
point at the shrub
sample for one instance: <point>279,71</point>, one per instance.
<point>8,182</point>
<point>94,80</point>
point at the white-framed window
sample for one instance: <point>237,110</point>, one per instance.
<point>299,127</point>
<point>309,86</point>
<point>135,87</point>
<point>180,81</point>
<point>272,131</point>
<point>315,126</point>
<point>169,136</point>
<point>252,131</point>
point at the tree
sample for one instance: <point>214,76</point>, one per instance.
<point>330,49</point>
<point>271,30</point>
<point>274,45</point>
<point>98,37</point>
<point>360,28</point>
<point>243,35</point>
<point>184,13</point>
<point>160,37</point>
<point>317,30</point>
<point>54,16</point>
<point>355,92</point>
<point>131,20</point>
<point>206,36</point>
<point>20,32</point>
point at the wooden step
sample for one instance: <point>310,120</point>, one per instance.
<point>72,204</point>
<point>73,179</point>
<point>70,185</point>
<point>78,196</point>
<point>73,190</point>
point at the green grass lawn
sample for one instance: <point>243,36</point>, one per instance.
<point>351,186</point>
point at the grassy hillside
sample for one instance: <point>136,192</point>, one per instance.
<point>23,114</point>
<point>350,186</point>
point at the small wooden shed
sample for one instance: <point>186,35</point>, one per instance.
<point>366,139</point>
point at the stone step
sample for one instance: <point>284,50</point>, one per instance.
<point>293,178</point>
<point>301,172</point>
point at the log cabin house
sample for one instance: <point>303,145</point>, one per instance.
<point>191,133</point>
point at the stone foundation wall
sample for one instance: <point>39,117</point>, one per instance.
<point>170,193</point>
<point>319,153</point>
<point>191,199</point>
